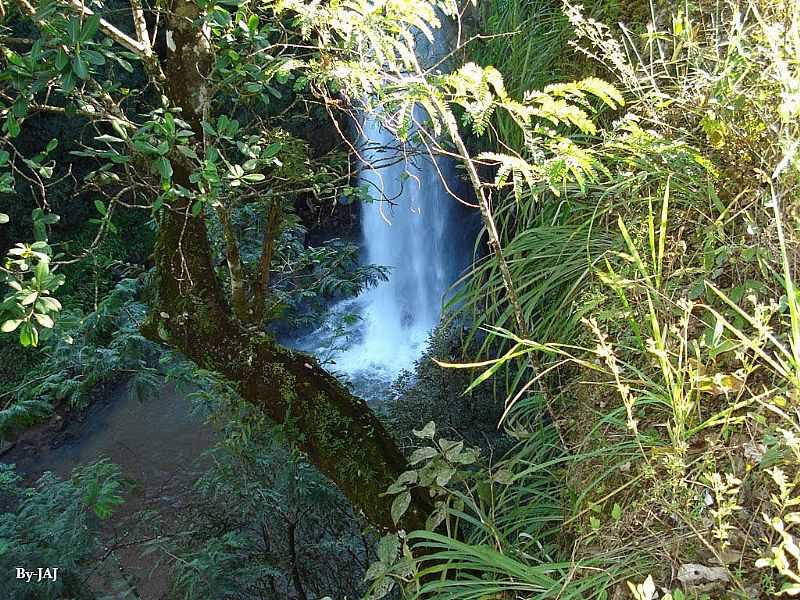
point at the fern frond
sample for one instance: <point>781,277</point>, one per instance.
<point>23,414</point>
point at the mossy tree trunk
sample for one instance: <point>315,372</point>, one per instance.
<point>336,430</point>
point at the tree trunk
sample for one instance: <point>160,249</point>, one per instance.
<point>271,231</point>
<point>338,432</point>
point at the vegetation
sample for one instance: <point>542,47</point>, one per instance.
<point>631,322</point>
<point>55,524</point>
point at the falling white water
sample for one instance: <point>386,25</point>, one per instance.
<point>415,228</point>
<point>408,228</point>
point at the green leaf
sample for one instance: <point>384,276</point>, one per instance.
<point>426,432</point>
<point>504,477</point>
<point>79,67</point>
<point>144,147</point>
<point>3,218</point>
<point>28,335</point>
<point>407,477</point>
<point>388,547</point>
<point>89,28</point>
<point>30,298</point>
<point>68,83</point>
<point>49,304</point>
<point>12,125</point>
<point>62,60</point>
<point>44,320</point>
<point>164,168</point>
<point>376,570</point>
<point>452,448</point>
<point>400,506</point>
<point>39,230</point>
<point>188,152</point>
<point>616,512</point>
<point>95,57</point>
<point>101,208</point>
<point>48,219</point>
<point>42,270</point>
<point>444,475</point>
<point>10,325</point>
<point>253,177</point>
<point>73,29</point>
<point>422,454</point>
<point>272,149</point>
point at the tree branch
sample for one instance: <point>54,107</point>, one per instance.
<point>123,39</point>
<point>262,281</point>
<point>141,47</point>
<point>234,260</point>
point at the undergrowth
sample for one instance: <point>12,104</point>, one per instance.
<point>656,406</point>
<point>87,351</point>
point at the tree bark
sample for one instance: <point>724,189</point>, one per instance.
<point>271,230</point>
<point>337,431</point>
<point>238,281</point>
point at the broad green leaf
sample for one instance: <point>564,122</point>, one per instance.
<point>44,320</point>
<point>62,60</point>
<point>10,325</point>
<point>422,454</point>
<point>400,506</point>
<point>388,547</point>
<point>68,81</point>
<point>12,125</point>
<point>272,149</point>
<point>426,432</point>
<point>89,28</point>
<point>28,335</point>
<point>49,304</point>
<point>80,67</point>
<point>42,270</point>
<point>30,298</point>
<point>164,168</point>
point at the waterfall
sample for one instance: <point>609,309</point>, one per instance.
<point>415,227</point>
<point>410,227</point>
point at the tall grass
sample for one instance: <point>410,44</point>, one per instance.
<point>509,522</point>
<point>693,379</point>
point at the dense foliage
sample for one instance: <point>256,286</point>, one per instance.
<point>55,523</point>
<point>633,328</point>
